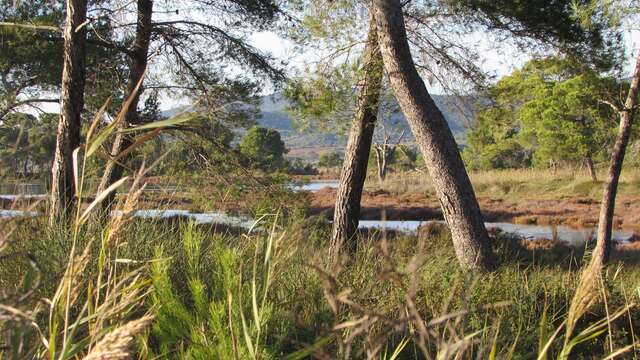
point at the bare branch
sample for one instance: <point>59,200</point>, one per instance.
<point>611,104</point>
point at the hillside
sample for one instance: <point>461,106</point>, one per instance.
<point>310,144</point>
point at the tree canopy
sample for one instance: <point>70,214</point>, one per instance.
<point>552,110</point>
<point>26,144</point>
<point>263,148</point>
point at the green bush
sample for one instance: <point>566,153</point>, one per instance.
<point>263,148</point>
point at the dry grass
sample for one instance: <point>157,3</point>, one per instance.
<point>98,304</point>
<point>517,182</point>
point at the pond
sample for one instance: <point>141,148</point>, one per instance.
<point>315,185</point>
<point>572,236</point>
<point>7,214</point>
<point>198,218</point>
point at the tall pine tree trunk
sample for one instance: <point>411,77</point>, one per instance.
<point>354,168</point>
<point>113,170</point>
<point>605,220</point>
<point>442,157</point>
<point>63,191</point>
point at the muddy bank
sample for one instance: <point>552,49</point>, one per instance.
<point>575,212</point>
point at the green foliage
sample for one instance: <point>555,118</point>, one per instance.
<point>26,56</point>
<point>263,148</point>
<point>299,167</point>
<point>192,320</point>
<point>405,157</point>
<point>324,100</point>
<point>552,22</point>
<point>330,159</point>
<point>27,144</point>
<point>203,142</point>
<point>196,268</point>
<point>549,111</point>
<point>209,307</point>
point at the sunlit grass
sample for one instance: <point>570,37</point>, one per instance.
<point>518,182</point>
<point>275,290</point>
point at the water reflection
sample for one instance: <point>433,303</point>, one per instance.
<point>572,236</point>
<point>315,185</point>
<point>557,233</point>
<point>198,218</point>
<point>7,214</point>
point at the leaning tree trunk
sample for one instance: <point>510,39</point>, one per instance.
<point>63,191</point>
<point>114,169</point>
<point>453,187</point>
<point>605,220</point>
<point>354,168</point>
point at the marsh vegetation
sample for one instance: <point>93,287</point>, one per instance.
<point>171,189</point>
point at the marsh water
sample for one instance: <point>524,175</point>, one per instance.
<point>570,235</point>
<point>315,185</point>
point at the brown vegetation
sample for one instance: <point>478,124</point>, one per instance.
<point>575,212</point>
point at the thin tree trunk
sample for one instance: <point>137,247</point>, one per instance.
<point>113,170</point>
<point>605,220</point>
<point>592,170</point>
<point>389,155</point>
<point>385,155</point>
<point>354,168</point>
<point>63,191</point>
<point>442,157</point>
<point>380,162</point>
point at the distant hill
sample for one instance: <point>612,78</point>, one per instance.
<point>309,145</point>
<point>457,111</point>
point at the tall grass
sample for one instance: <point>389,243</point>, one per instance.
<point>94,309</point>
<point>172,289</point>
<point>272,294</point>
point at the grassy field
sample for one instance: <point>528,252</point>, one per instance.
<point>171,289</point>
<point>125,287</point>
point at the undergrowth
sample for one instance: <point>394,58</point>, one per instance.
<point>271,294</point>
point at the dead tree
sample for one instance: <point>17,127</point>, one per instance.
<point>386,149</point>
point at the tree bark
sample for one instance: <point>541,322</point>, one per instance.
<point>354,168</point>
<point>139,55</point>
<point>442,157</point>
<point>605,220</point>
<point>63,191</point>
